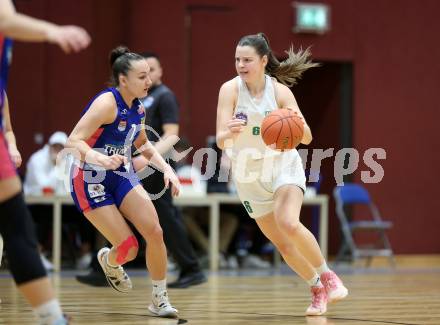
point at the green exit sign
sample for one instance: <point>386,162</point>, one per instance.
<point>311,17</point>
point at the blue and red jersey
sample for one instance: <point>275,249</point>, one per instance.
<point>117,137</point>
<point>93,188</point>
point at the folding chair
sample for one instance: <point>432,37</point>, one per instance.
<point>353,194</point>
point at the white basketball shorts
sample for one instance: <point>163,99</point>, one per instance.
<point>258,180</point>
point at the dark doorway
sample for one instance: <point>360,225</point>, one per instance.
<point>324,95</point>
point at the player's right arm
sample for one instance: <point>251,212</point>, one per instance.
<point>228,127</point>
<point>101,112</point>
<point>25,28</point>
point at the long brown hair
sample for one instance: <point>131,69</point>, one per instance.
<point>288,71</point>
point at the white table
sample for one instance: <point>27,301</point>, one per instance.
<point>215,200</point>
<point>212,201</point>
<point>56,202</point>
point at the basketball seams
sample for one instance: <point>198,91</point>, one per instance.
<point>291,133</point>
<point>268,127</point>
<point>291,126</point>
<point>271,130</point>
<point>281,129</point>
<point>299,127</point>
<point>281,117</point>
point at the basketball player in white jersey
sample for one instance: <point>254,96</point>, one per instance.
<point>271,184</point>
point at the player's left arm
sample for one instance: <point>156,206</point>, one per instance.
<point>150,155</point>
<point>143,151</point>
<point>149,152</point>
<point>286,99</point>
<point>9,135</point>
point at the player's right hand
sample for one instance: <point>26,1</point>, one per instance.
<point>69,38</point>
<point>112,162</point>
<point>235,125</point>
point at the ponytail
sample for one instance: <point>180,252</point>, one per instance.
<point>286,72</point>
<point>291,69</point>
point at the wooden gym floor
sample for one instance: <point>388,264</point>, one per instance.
<point>407,295</point>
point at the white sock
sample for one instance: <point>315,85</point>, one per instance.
<point>323,268</point>
<point>315,281</point>
<point>49,312</point>
<point>159,285</point>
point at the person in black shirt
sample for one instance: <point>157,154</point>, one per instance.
<point>162,118</point>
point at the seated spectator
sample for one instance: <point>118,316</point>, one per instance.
<point>43,178</point>
<point>41,172</point>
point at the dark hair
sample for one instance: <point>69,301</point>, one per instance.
<point>120,62</point>
<point>148,55</point>
<point>288,71</point>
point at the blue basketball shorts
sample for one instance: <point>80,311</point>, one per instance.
<point>93,187</point>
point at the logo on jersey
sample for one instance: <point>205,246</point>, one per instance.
<point>96,190</point>
<point>256,130</point>
<point>122,125</point>
<point>124,111</point>
<point>148,102</point>
<point>242,116</point>
<point>115,150</point>
<point>267,113</point>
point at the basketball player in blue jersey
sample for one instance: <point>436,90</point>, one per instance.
<point>274,196</point>
<point>16,225</point>
<point>104,185</point>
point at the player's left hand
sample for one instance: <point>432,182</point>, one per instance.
<point>170,177</point>
<point>298,114</point>
<point>300,117</point>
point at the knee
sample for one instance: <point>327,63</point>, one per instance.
<point>24,259</point>
<point>155,233</point>
<point>290,227</point>
<point>127,250</point>
<point>132,253</point>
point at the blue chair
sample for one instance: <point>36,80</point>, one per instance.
<point>354,194</point>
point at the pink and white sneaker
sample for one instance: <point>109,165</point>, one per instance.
<point>319,301</point>
<point>334,287</point>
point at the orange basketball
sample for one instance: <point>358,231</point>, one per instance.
<point>282,128</point>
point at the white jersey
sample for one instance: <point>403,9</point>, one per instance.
<point>254,111</point>
<point>258,171</point>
